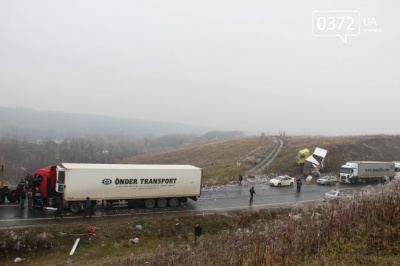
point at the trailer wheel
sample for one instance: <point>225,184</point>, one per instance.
<point>162,203</point>
<point>149,203</point>
<point>173,202</point>
<point>75,207</point>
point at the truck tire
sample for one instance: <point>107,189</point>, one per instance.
<point>11,196</point>
<point>173,202</point>
<point>291,184</point>
<point>75,206</point>
<point>184,200</point>
<point>162,203</point>
<point>149,203</point>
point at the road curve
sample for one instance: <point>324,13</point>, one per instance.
<point>257,169</point>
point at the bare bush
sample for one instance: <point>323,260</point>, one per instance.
<point>362,229</point>
<point>22,242</point>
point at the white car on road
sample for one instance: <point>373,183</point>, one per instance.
<point>281,181</point>
<point>336,194</point>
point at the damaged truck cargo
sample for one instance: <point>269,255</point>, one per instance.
<point>315,163</point>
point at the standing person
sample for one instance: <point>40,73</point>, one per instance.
<point>299,183</point>
<point>60,208</point>
<point>22,198</point>
<point>240,180</point>
<point>30,199</point>
<point>252,192</point>
<point>198,231</point>
<point>88,208</point>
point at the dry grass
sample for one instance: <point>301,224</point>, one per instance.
<point>360,231</point>
<point>218,158</point>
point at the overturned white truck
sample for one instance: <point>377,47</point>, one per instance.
<point>315,162</point>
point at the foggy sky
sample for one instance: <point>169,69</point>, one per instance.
<point>230,65</point>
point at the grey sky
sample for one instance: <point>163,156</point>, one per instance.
<point>232,65</point>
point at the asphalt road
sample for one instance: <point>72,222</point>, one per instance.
<point>210,202</point>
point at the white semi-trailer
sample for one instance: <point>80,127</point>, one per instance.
<point>366,171</point>
<point>152,185</point>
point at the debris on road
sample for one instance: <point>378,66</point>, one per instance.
<point>74,247</point>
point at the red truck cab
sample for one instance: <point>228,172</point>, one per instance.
<point>44,181</point>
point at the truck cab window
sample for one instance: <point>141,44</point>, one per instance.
<point>61,177</point>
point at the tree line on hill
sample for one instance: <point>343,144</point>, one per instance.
<point>21,157</point>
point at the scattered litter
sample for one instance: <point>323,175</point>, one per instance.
<point>90,232</point>
<point>74,247</point>
<point>177,224</point>
<point>91,229</point>
<point>139,227</point>
<point>62,234</point>
<point>42,235</point>
<point>133,241</point>
<point>258,180</point>
<point>18,259</point>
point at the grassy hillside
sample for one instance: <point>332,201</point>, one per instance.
<point>322,233</point>
<point>219,158</point>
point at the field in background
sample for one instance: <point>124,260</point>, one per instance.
<point>219,158</point>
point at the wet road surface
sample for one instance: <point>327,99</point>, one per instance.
<point>211,201</point>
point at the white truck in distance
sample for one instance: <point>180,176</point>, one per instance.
<point>366,171</point>
<point>151,185</point>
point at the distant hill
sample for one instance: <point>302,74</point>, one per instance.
<point>33,125</point>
